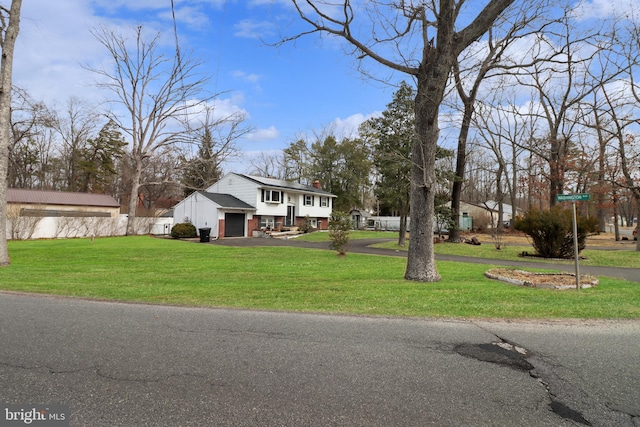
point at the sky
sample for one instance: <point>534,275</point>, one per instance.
<point>297,89</point>
<point>300,88</point>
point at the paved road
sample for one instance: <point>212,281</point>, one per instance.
<point>364,246</point>
<point>133,365</point>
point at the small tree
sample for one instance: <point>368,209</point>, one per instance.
<point>552,231</point>
<point>339,228</point>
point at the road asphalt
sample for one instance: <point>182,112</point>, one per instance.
<point>364,246</point>
<point>115,364</point>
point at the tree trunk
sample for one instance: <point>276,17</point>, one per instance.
<point>557,161</point>
<point>461,162</point>
<point>133,198</point>
<point>6,76</point>
<point>402,233</point>
<point>432,82</point>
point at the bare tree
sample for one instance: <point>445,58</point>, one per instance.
<point>9,27</point>
<point>502,129</point>
<point>470,72</point>
<point>629,153</point>
<point>30,138</point>
<point>573,62</point>
<point>215,137</point>
<point>423,40</point>
<point>74,126</point>
<point>153,90</point>
<point>268,165</point>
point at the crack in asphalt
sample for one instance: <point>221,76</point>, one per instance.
<point>48,368</point>
<point>565,397</point>
<point>506,353</point>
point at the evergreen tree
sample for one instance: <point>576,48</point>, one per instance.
<point>203,170</point>
<point>97,168</point>
<point>343,168</point>
<point>392,137</point>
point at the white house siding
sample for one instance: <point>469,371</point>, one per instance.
<point>271,209</point>
<point>199,211</point>
<point>314,210</point>
<point>239,187</point>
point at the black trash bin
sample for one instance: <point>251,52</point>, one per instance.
<point>205,234</point>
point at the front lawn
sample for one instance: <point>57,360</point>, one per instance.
<point>162,271</point>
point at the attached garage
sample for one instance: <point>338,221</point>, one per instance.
<point>234,224</point>
<point>224,214</point>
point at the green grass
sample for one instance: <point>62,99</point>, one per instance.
<point>145,269</point>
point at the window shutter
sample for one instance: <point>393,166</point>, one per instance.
<point>313,200</point>
<point>281,197</point>
<point>262,196</point>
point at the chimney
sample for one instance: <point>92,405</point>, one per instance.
<point>316,184</point>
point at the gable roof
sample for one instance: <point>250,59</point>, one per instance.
<point>226,200</point>
<point>492,206</point>
<point>279,183</point>
<point>41,197</point>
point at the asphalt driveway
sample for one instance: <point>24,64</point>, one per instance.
<point>364,246</point>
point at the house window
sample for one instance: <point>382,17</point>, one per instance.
<point>267,222</point>
<point>324,202</point>
<point>308,200</point>
<point>271,196</point>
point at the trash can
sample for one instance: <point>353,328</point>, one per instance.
<point>205,234</point>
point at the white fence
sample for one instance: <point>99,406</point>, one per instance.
<point>24,228</point>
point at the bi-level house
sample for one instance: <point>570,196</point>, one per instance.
<point>239,204</point>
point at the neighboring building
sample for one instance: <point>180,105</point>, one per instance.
<point>37,214</point>
<point>359,218</point>
<point>239,204</point>
<point>38,203</point>
<point>483,214</point>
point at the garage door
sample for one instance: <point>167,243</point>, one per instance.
<point>234,225</point>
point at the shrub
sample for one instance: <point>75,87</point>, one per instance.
<point>183,230</point>
<point>552,231</point>
<point>339,228</point>
<point>305,226</point>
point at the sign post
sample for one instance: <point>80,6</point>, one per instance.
<point>573,198</point>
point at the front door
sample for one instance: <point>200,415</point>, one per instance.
<point>290,221</point>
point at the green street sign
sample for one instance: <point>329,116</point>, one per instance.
<point>572,197</point>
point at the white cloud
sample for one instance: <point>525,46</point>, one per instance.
<point>194,17</point>
<point>249,28</point>
<point>268,134</point>
<point>249,77</point>
<point>348,127</point>
<point>601,9</point>
<point>53,42</point>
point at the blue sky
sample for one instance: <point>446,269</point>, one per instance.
<point>299,88</point>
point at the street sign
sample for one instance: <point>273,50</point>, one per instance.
<point>572,197</point>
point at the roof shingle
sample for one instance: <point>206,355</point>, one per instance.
<point>226,200</point>
<point>41,197</point>
<point>272,182</point>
